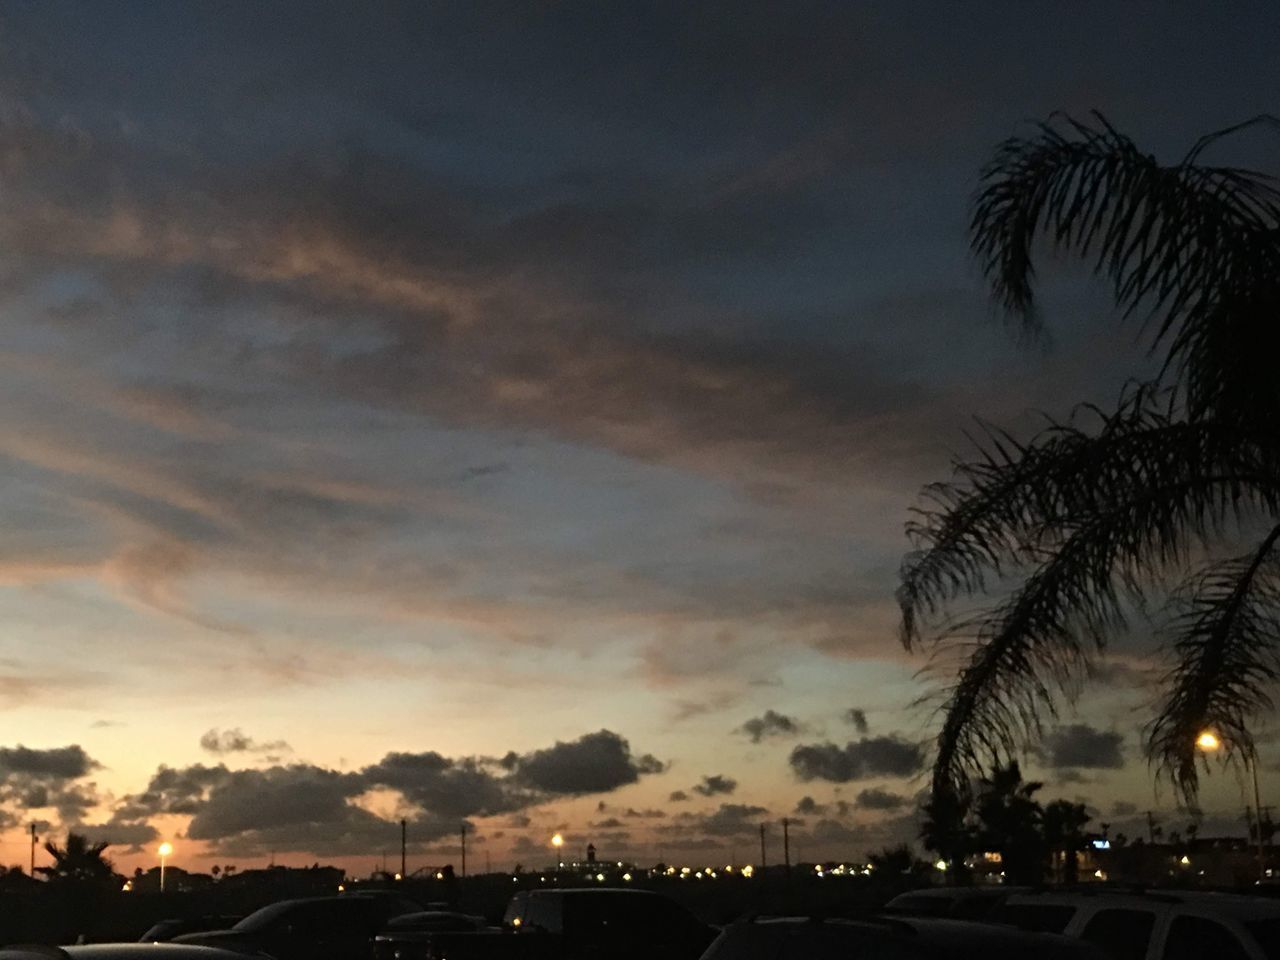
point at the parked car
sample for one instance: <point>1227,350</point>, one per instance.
<point>117,951</point>
<point>566,924</point>
<point>168,929</point>
<point>958,903</point>
<point>315,928</point>
<point>1164,925</point>
<point>889,938</point>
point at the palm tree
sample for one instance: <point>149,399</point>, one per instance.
<point>1064,824</point>
<point>946,830</point>
<point>79,860</point>
<point>1111,511</point>
<point>1011,822</point>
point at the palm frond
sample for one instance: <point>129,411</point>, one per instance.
<point>1014,502</point>
<point>1170,238</point>
<point>1227,648</point>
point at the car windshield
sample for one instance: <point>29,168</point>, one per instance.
<point>1267,933</point>
<point>264,918</point>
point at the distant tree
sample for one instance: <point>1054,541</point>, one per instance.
<point>1193,829</point>
<point>1121,841</point>
<point>1010,822</point>
<point>1064,824</point>
<point>1105,828</point>
<point>948,832</point>
<point>896,861</point>
<point>1071,531</point>
<point>79,861</point>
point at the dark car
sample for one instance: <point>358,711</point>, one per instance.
<point>166,930</point>
<point>889,938</point>
<point>117,951</point>
<point>427,921</point>
<point>958,903</point>
<point>316,928</point>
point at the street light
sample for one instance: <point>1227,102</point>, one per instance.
<point>558,841</point>
<point>166,848</point>
<point>1208,742</point>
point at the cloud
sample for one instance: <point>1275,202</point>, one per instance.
<point>306,807</point>
<point>236,740</point>
<point>857,719</point>
<point>857,760</point>
<point>875,798</point>
<point>1084,747</point>
<point>677,796</point>
<point>594,763</point>
<point>1123,808</point>
<point>770,724</point>
<point>58,763</point>
<point>716,784</point>
<point>807,806</point>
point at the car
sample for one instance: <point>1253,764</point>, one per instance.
<point>117,951</point>
<point>168,929</point>
<point>433,920</point>
<point>312,928</point>
<point>959,903</point>
<point>889,938</point>
<point>1154,925</point>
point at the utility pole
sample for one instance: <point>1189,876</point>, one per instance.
<point>404,843</point>
<point>34,838</point>
<point>463,834</point>
<point>786,845</point>
<point>1151,827</point>
<point>763,860</point>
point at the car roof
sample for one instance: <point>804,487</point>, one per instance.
<point>119,951</point>
<point>1239,906</point>
<point>960,893</point>
<point>930,931</point>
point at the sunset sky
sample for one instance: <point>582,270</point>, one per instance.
<point>509,412</point>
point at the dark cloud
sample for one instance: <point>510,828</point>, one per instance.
<point>875,798</point>
<point>857,719</point>
<point>594,763</point>
<point>58,763</point>
<point>770,724</point>
<point>677,796</point>
<point>647,814</point>
<point>316,809</point>
<point>807,806</point>
<point>716,784</point>
<point>857,760</point>
<point>236,740</point>
<point>1084,747</point>
<point>1123,808</point>
<point>728,820</point>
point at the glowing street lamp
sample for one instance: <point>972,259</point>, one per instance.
<point>166,848</point>
<point>558,841</point>
<point>1208,742</point>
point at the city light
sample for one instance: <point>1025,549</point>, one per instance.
<point>1208,741</point>
<point>164,850</point>
<point>557,841</point>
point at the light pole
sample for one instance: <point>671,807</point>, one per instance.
<point>166,848</point>
<point>558,841</point>
<point>1208,742</point>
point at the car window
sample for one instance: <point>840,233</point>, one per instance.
<point>1036,917</point>
<point>1194,938</point>
<point>543,913</point>
<point>1121,934</point>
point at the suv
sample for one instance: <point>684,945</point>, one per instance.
<point>1168,925</point>
<point>889,938</point>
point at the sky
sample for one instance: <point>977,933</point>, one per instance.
<point>508,412</point>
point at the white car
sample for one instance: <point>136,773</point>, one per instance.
<point>1157,925</point>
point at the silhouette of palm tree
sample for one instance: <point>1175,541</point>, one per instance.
<point>1064,824</point>
<point>78,860</point>
<point>1011,822</point>
<point>1072,530</point>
